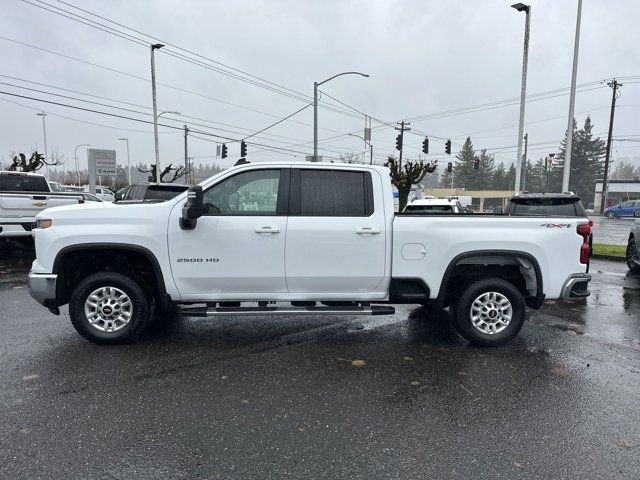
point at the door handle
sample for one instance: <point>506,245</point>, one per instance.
<point>367,231</point>
<point>267,230</point>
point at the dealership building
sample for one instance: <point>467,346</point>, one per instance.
<point>619,191</point>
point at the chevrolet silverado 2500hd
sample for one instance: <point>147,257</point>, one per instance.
<point>321,237</point>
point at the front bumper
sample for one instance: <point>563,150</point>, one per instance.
<point>42,287</point>
<point>576,286</point>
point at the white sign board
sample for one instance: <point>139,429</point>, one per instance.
<point>102,163</point>
<point>105,161</point>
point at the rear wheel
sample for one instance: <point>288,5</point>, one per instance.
<point>489,313</point>
<point>109,308</point>
<point>633,256</point>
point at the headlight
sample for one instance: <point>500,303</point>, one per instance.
<point>43,223</point>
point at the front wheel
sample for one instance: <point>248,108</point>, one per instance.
<point>489,313</point>
<point>636,213</point>
<point>633,256</point>
<point>610,215</point>
<point>109,308</point>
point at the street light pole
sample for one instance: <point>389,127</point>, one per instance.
<point>521,7</point>
<point>155,47</point>
<point>572,102</point>
<point>126,139</point>
<point>44,132</point>
<point>315,108</point>
<point>75,155</point>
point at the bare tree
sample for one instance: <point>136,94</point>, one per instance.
<point>178,172</point>
<point>20,163</point>
<point>411,173</point>
<point>350,157</point>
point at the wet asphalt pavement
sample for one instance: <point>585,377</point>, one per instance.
<point>334,397</point>
<point>611,230</point>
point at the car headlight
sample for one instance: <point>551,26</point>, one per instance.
<point>43,223</point>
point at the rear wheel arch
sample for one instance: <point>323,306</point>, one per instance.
<point>523,270</point>
<point>76,262</point>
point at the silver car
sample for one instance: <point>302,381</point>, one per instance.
<point>633,248</point>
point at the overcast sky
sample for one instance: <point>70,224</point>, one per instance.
<point>423,58</point>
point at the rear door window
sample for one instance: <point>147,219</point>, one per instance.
<point>332,193</point>
<point>545,207</point>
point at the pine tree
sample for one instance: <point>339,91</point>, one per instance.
<point>463,172</point>
<point>587,162</point>
<point>499,179</point>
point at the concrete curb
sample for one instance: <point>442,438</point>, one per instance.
<point>615,258</point>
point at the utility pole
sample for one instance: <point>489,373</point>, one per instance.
<point>44,132</point>
<point>614,84</point>
<point>572,102</point>
<point>523,89</point>
<point>404,127</point>
<point>524,162</point>
<point>155,47</point>
<point>186,152</point>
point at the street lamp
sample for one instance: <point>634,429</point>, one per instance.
<point>315,108</point>
<point>521,7</point>
<point>370,147</point>
<point>75,155</point>
<point>154,47</point>
<point>168,111</point>
<point>126,139</point>
<point>44,131</point>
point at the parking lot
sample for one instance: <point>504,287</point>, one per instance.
<point>614,231</point>
<point>361,397</point>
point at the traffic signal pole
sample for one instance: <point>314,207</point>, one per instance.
<point>404,127</point>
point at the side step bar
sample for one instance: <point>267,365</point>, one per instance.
<point>224,311</point>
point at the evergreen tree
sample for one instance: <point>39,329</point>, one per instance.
<point>499,179</point>
<point>511,178</point>
<point>587,161</point>
<point>463,171</point>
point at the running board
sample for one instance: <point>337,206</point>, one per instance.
<point>225,311</point>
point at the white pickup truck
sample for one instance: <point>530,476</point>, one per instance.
<point>283,238</point>
<point>22,197</point>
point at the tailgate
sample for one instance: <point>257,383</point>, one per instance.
<point>17,205</point>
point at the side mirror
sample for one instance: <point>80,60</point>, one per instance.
<point>118,195</point>
<point>193,209</point>
<point>498,210</point>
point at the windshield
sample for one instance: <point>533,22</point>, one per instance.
<point>429,208</point>
<point>545,206</point>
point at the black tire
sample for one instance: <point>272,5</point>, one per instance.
<point>139,310</point>
<point>631,255</point>
<point>636,213</point>
<point>610,215</point>
<point>462,319</point>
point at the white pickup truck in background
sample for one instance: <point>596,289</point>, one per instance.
<point>321,237</point>
<point>22,197</point>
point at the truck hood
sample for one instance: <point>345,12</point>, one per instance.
<point>105,211</point>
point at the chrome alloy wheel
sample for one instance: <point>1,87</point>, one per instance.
<point>491,313</point>
<point>108,309</point>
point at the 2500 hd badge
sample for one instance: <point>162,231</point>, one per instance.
<point>198,260</point>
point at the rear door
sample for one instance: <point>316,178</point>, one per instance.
<point>335,233</point>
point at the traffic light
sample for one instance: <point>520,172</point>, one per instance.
<point>447,147</point>
<point>243,149</point>
<point>450,167</point>
<point>425,145</point>
<point>399,142</point>
<point>224,151</point>
<point>476,164</point>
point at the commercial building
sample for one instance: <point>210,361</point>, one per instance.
<point>619,191</point>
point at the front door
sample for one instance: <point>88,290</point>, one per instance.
<point>236,251</point>
<point>336,234</point>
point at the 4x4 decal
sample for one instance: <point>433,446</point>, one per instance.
<point>556,225</point>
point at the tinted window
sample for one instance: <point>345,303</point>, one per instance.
<point>429,208</point>
<point>546,207</point>
<point>23,183</point>
<point>249,193</point>
<point>162,193</point>
<point>335,193</point>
